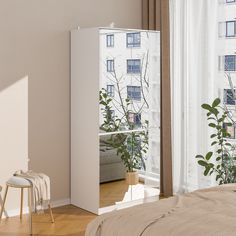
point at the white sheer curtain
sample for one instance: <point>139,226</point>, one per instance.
<point>194,35</point>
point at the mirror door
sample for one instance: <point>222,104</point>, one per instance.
<point>129,107</point>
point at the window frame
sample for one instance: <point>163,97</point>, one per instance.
<point>226,29</point>
<point>225,126</point>
<point>133,71</point>
<point>229,69</point>
<point>135,98</point>
<point>110,42</point>
<point>133,44</point>
<point>135,115</point>
<point>111,90</point>
<point>228,96</point>
<point>111,67</point>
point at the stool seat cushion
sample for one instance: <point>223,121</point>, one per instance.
<point>18,182</point>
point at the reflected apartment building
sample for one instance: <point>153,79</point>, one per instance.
<point>130,72</point>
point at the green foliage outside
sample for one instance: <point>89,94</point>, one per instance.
<point>222,161</point>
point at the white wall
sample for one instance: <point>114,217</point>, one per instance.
<point>35,42</point>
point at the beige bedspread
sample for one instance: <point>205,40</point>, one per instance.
<point>204,212</point>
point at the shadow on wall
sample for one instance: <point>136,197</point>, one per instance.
<point>13,133</point>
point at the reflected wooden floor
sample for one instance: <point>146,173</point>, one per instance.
<point>69,221</point>
<point>112,192</point>
<point>117,192</point>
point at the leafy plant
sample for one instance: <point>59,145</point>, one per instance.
<point>131,147</point>
<point>221,162</point>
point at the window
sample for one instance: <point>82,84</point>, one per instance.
<point>134,92</point>
<point>110,65</point>
<point>229,97</point>
<point>230,1</point>
<point>133,66</point>
<point>133,40</point>
<point>110,114</point>
<point>230,63</point>
<point>135,118</point>
<point>110,40</point>
<point>229,129</point>
<point>230,28</point>
<point>137,144</point>
<point>110,90</point>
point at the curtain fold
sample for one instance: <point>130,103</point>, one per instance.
<point>155,14</point>
<point>193,30</point>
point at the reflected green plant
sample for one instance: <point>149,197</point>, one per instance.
<point>131,147</point>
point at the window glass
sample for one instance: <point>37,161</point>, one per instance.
<point>133,40</point>
<point>229,129</point>
<point>110,90</point>
<point>229,97</point>
<point>134,92</point>
<point>133,66</point>
<point>230,28</point>
<point>110,65</point>
<point>135,118</point>
<point>110,40</point>
<point>230,62</point>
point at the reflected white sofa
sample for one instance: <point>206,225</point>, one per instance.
<point>111,166</point>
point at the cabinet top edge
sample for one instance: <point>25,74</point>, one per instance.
<point>115,28</point>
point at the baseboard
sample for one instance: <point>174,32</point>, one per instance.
<point>61,202</point>
<point>57,203</point>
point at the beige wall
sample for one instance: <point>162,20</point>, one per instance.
<point>35,42</point>
<point>13,134</point>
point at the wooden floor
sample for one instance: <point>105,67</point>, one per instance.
<point>69,221</point>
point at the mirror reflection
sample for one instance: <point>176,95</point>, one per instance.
<point>129,100</point>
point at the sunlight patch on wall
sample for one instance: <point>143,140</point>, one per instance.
<point>13,135</point>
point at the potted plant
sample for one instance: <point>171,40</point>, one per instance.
<point>130,146</point>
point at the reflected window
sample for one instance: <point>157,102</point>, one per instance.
<point>229,97</point>
<point>110,40</point>
<point>134,93</point>
<point>133,66</point>
<point>110,90</point>
<point>112,113</point>
<point>230,63</point>
<point>134,118</point>
<point>110,65</point>
<point>230,28</point>
<point>229,129</point>
<point>133,40</point>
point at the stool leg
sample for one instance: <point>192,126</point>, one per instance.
<point>4,201</point>
<point>30,209</point>
<point>21,202</point>
<point>50,210</point>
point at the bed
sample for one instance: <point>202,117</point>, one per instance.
<point>209,211</point>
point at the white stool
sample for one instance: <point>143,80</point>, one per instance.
<point>1,202</point>
<point>18,182</point>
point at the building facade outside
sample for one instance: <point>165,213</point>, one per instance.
<point>227,59</point>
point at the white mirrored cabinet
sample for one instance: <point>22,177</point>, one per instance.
<point>115,118</point>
